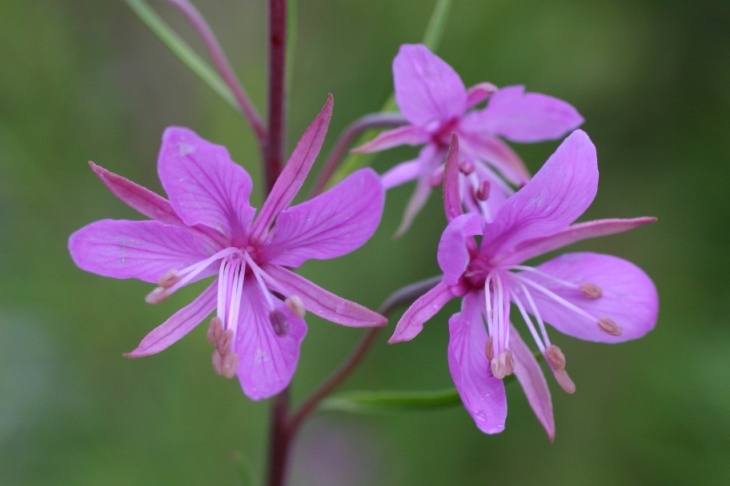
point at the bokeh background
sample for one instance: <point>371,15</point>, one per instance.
<point>85,80</point>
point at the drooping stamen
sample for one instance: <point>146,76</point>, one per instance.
<point>215,331</point>
<point>561,376</point>
<point>555,357</point>
<point>482,194</point>
<point>225,341</point>
<point>279,322</point>
<point>159,294</point>
<point>169,279</point>
<point>489,349</point>
<point>466,167</point>
<point>592,291</point>
<point>609,326</point>
<point>437,177</point>
<point>295,305</point>
<point>225,364</point>
<point>503,365</point>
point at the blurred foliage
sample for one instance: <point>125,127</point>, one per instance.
<point>85,79</point>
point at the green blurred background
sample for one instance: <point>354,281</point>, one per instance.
<point>85,80</point>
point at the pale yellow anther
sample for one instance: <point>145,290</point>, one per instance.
<point>561,376</point>
<point>609,326</point>
<point>489,349</point>
<point>215,330</point>
<point>592,291</point>
<point>229,365</point>
<point>555,357</point>
<point>169,279</point>
<point>158,295</point>
<point>503,365</point>
<point>225,342</point>
<point>217,360</point>
<point>295,305</point>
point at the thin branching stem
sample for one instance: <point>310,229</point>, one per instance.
<point>275,147</point>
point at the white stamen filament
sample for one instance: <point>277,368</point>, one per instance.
<point>555,297</point>
<point>490,312</point>
<point>525,268</point>
<point>536,313</point>
<point>528,321</point>
<point>259,279</point>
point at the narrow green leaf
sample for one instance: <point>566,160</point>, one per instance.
<point>182,50</point>
<point>243,467</point>
<point>432,39</point>
<point>390,401</point>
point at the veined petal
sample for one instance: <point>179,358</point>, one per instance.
<point>144,250</point>
<point>572,234</point>
<point>453,251</point>
<point>137,197</point>
<point>295,171</point>
<point>495,152</point>
<point>266,361</point>
<point>423,309</point>
<point>525,117</point>
<point>478,93</point>
<point>330,225</point>
<point>204,185</point>
<point>415,204</point>
<point>422,166</point>
<point>407,135</point>
<point>483,395</point>
<point>321,302</point>
<point>178,325</point>
<point>530,376</point>
<point>426,88</point>
<point>560,192</point>
<point>628,298</point>
<point>452,197</point>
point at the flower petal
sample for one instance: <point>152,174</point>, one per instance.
<point>145,250</point>
<point>204,185</point>
<point>407,135</point>
<point>266,361</point>
<point>483,395</point>
<point>319,301</point>
<point>496,153</point>
<point>629,297</point>
<point>478,93</point>
<point>330,225</point>
<point>525,117</point>
<point>415,204</point>
<point>178,325</point>
<point>426,88</point>
<point>572,234</point>
<point>423,309</point>
<point>532,379</point>
<point>453,250</point>
<point>560,192</point>
<point>137,197</point>
<point>295,171</point>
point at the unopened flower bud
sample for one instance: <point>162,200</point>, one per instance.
<point>609,326</point>
<point>295,306</point>
<point>279,322</point>
<point>592,291</point>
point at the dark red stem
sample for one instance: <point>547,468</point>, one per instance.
<point>275,146</point>
<point>279,443</point>
<point>367,122</point>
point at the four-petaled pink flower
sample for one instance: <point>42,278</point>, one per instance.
<point>208,228</point>
<point>433,99</point>
<point>586,295</point>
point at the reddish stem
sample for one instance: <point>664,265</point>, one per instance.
<point>224,67</point>
<point>274,151</point>
<point>280,443</point>
<point>367,122</point>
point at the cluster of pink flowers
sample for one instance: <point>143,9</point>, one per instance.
<point>498,218</point>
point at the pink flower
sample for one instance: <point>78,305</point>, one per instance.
<point>208,228</point>
<point>586,295</point>
<point>433,99</point>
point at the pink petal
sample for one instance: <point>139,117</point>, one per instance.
<point>525,117</point>
<point>330,225</point>
<point>478,93</point>
<point>453,250</point>
<point>178,325</point>
<point>483,395</point>
<point>137,197</point>
<point>407,135</point>
<point>415,204</point>
<point>144,250</point>
<point>321,302</point>
<point>426,88</point>
<point>204,185</point>
<point>452,197</point>
<point>560,192</point>
<point>530,376</point>
<point>572,234</point>
<point>496,153</point>
<point>423,165</point>
<point>266,361</point>
<point>423,309</point>
<point>292,177</point>
<point>629,296</point>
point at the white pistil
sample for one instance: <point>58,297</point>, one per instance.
<point>609,326</point>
